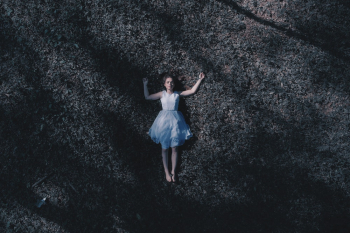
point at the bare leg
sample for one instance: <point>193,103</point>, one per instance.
<point>173,162</point>
<point>165,164</point>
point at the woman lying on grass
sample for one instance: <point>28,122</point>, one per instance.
<point>169,128</point>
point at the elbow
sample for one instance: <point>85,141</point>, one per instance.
<point>147,98</point>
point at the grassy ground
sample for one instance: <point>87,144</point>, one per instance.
<point>270,151</point>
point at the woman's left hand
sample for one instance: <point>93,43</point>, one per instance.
<point>201,76</point>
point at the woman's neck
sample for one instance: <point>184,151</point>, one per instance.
<point>169,91</point>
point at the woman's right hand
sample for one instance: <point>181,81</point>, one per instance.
<point>201,76</point>
<point>145,81</point>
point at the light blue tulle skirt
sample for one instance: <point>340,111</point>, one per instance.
<point>169,129</point>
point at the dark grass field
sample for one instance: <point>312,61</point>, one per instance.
<point>270,151</point>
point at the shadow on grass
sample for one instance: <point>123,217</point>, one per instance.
<point>326,42</point>
<point>269,203</point>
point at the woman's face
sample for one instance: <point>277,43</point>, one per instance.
<point>169,84</point>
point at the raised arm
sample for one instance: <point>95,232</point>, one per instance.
<point>194,88</point>
<point>155,96</point>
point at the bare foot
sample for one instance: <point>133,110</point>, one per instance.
<point>173,177</point>
<point>168,178</point>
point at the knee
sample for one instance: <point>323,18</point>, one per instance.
<point>174,149</point>
<point>164,150</point>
